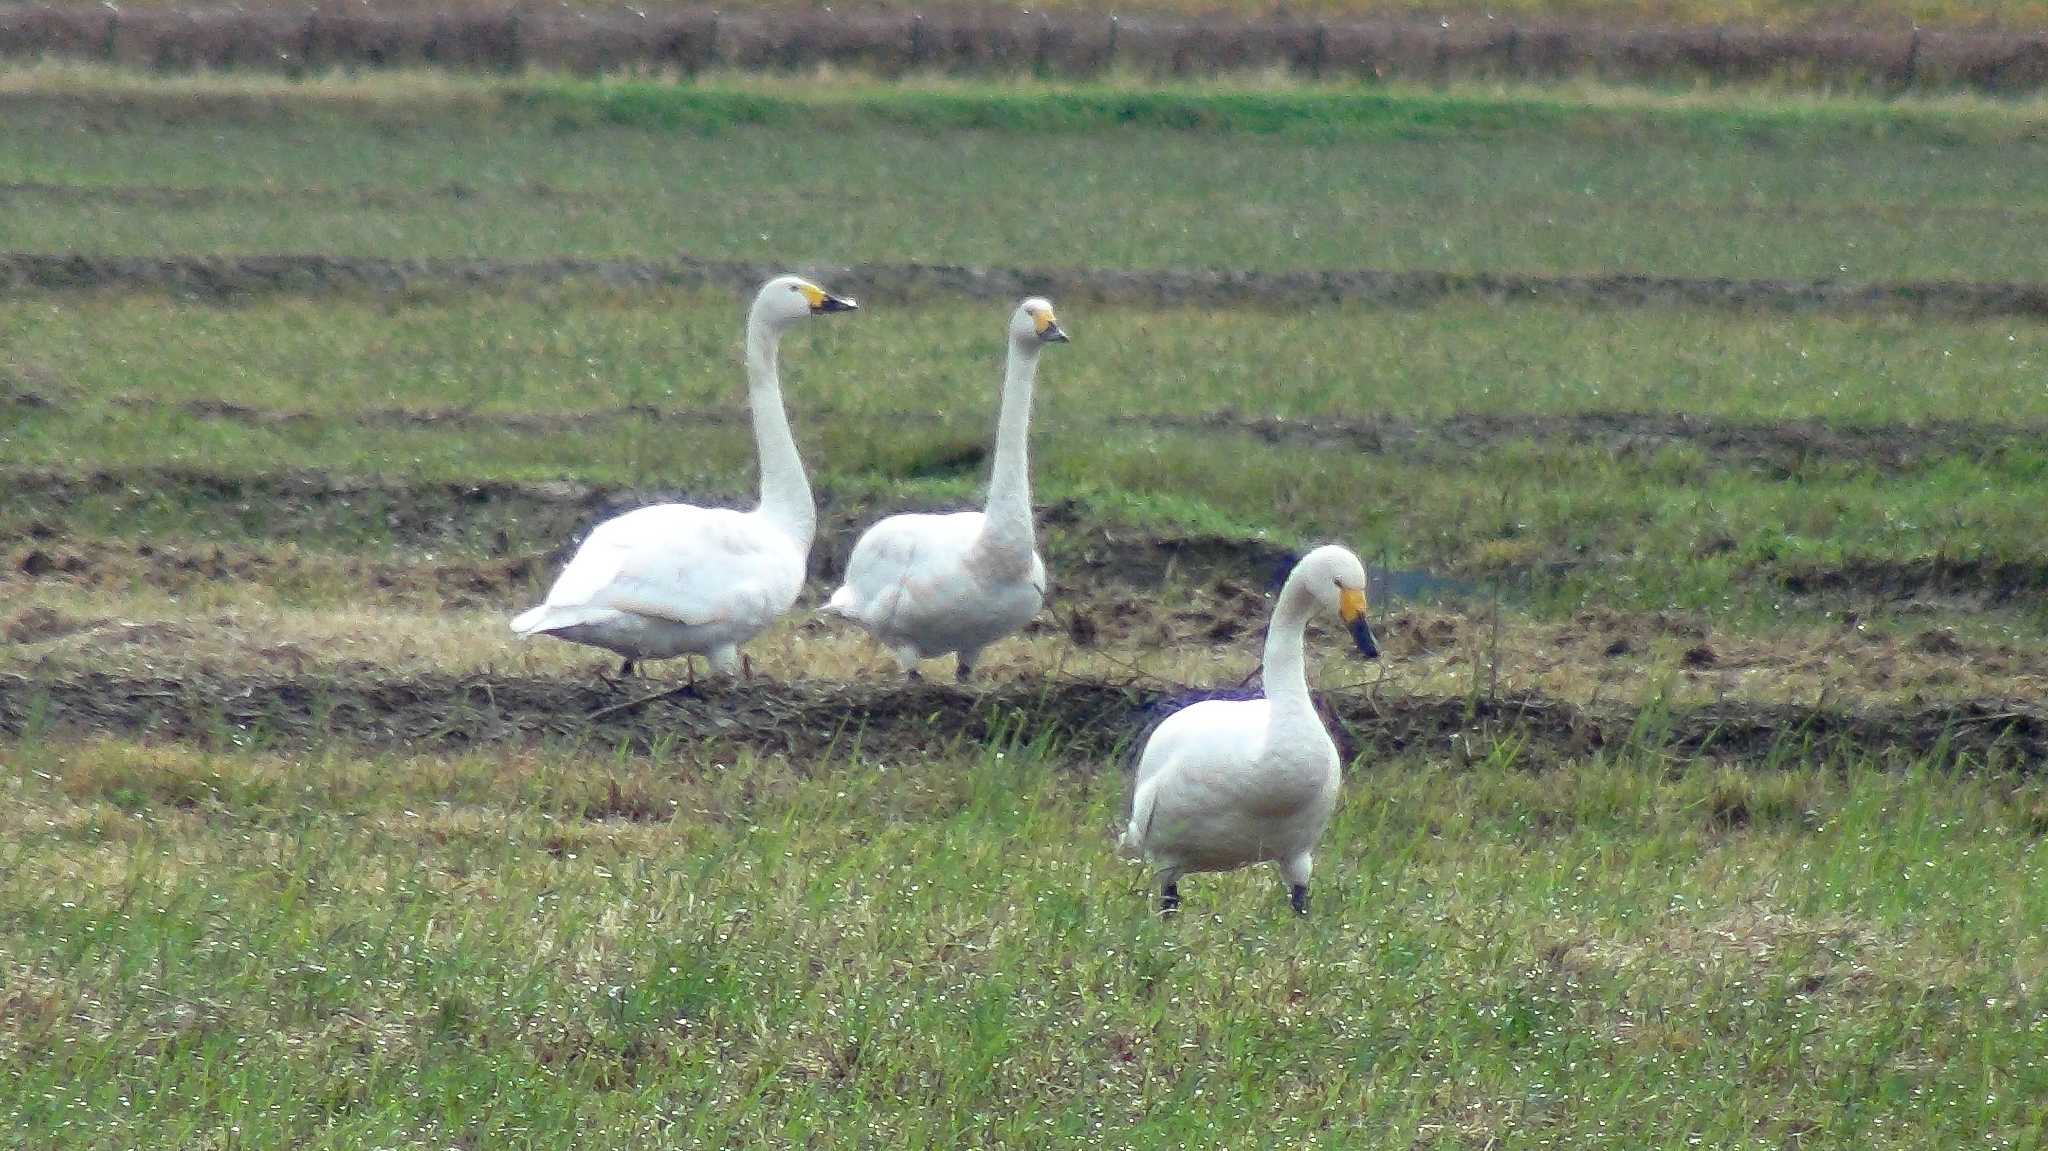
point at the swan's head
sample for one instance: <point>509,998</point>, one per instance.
<point>787,299</point>
<point>1034,324</point>
<point>1337,579</point>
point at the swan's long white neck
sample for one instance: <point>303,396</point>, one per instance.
<point>1007,529</point>
<point>785,493</point>
<point>1284,673</point>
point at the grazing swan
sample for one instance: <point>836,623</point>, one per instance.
<point>1227,783</point>
<point>925,585</point>
<point>675,579</point>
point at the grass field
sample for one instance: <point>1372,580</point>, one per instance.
<point>1510,180</point>
<point>1698,800</point>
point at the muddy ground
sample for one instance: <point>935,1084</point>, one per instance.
<point>294,505</point>
<point>316,505</point>
<point>1092,722</point>
<point>231,277</point>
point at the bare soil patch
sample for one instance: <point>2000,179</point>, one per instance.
<point>1783,447</point>
<point>1093,721</point>
<point>232,277</point>
<point>1934,580</point>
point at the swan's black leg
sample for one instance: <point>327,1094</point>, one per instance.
<point>1169,897</point>
<point>964,671</point>
<point>1298,896</point>
<point>626,667</point>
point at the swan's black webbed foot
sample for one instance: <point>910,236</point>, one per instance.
<point>1298,897</point>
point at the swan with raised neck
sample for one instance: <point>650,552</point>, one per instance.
<point>679,579</point>
<point>931,585</point>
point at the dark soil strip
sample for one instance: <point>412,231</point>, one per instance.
<point>232,277</point>
<point>1783,447</point>
<point>1013,41</point>
<point>1091,720</point>
<point>1974,581</point>
<point>309,504</point>
<point>185,196</point>
<point>506,520</point>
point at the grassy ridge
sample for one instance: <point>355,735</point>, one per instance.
<point>552,949</point>
<point>1309,113</point>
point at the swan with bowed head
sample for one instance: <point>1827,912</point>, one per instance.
<point>680,580</point>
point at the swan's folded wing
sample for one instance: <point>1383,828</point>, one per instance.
<point>1203,735</point>
<point>901,551</point>
<point>675,562</point>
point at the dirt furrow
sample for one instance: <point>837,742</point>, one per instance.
<point>1782,446</point>
<point>230,277</point>
<point>293,505</point>
<point>1091,720</point>
<point>506,520</point>
<point>1014,41</point>
<point>185,196</point>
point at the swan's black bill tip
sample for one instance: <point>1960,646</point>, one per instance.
<point>1361,634</point>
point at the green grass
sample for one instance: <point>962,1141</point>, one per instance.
<point>334,952</point>
<point>1531,181</point>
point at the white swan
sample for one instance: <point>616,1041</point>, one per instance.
<point>926,585</point>
<point>1223,784</point>
<point>675,579</point>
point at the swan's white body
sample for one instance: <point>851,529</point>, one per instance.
<point>929,585</point>
<point>676,579</point>
<point>1224,784</point>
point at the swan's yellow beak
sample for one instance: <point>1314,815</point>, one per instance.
<point>1049,328</point>
<point>1351,608</point>
<point>823,301</point>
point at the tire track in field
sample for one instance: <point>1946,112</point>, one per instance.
<point>442,195</point>
<point>1093,721</point>
<point>233,277</point>
<point>1782,446</point>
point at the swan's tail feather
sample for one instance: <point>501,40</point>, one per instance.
<point>1132,845</point>
<point>531,621</point>
<point>841,603</point>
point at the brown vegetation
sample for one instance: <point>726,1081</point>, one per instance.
<point>1063,44</point>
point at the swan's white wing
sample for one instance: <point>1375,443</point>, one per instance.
<point>1198,758</point>
<point>898,560</point>
<point>682,563</point>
